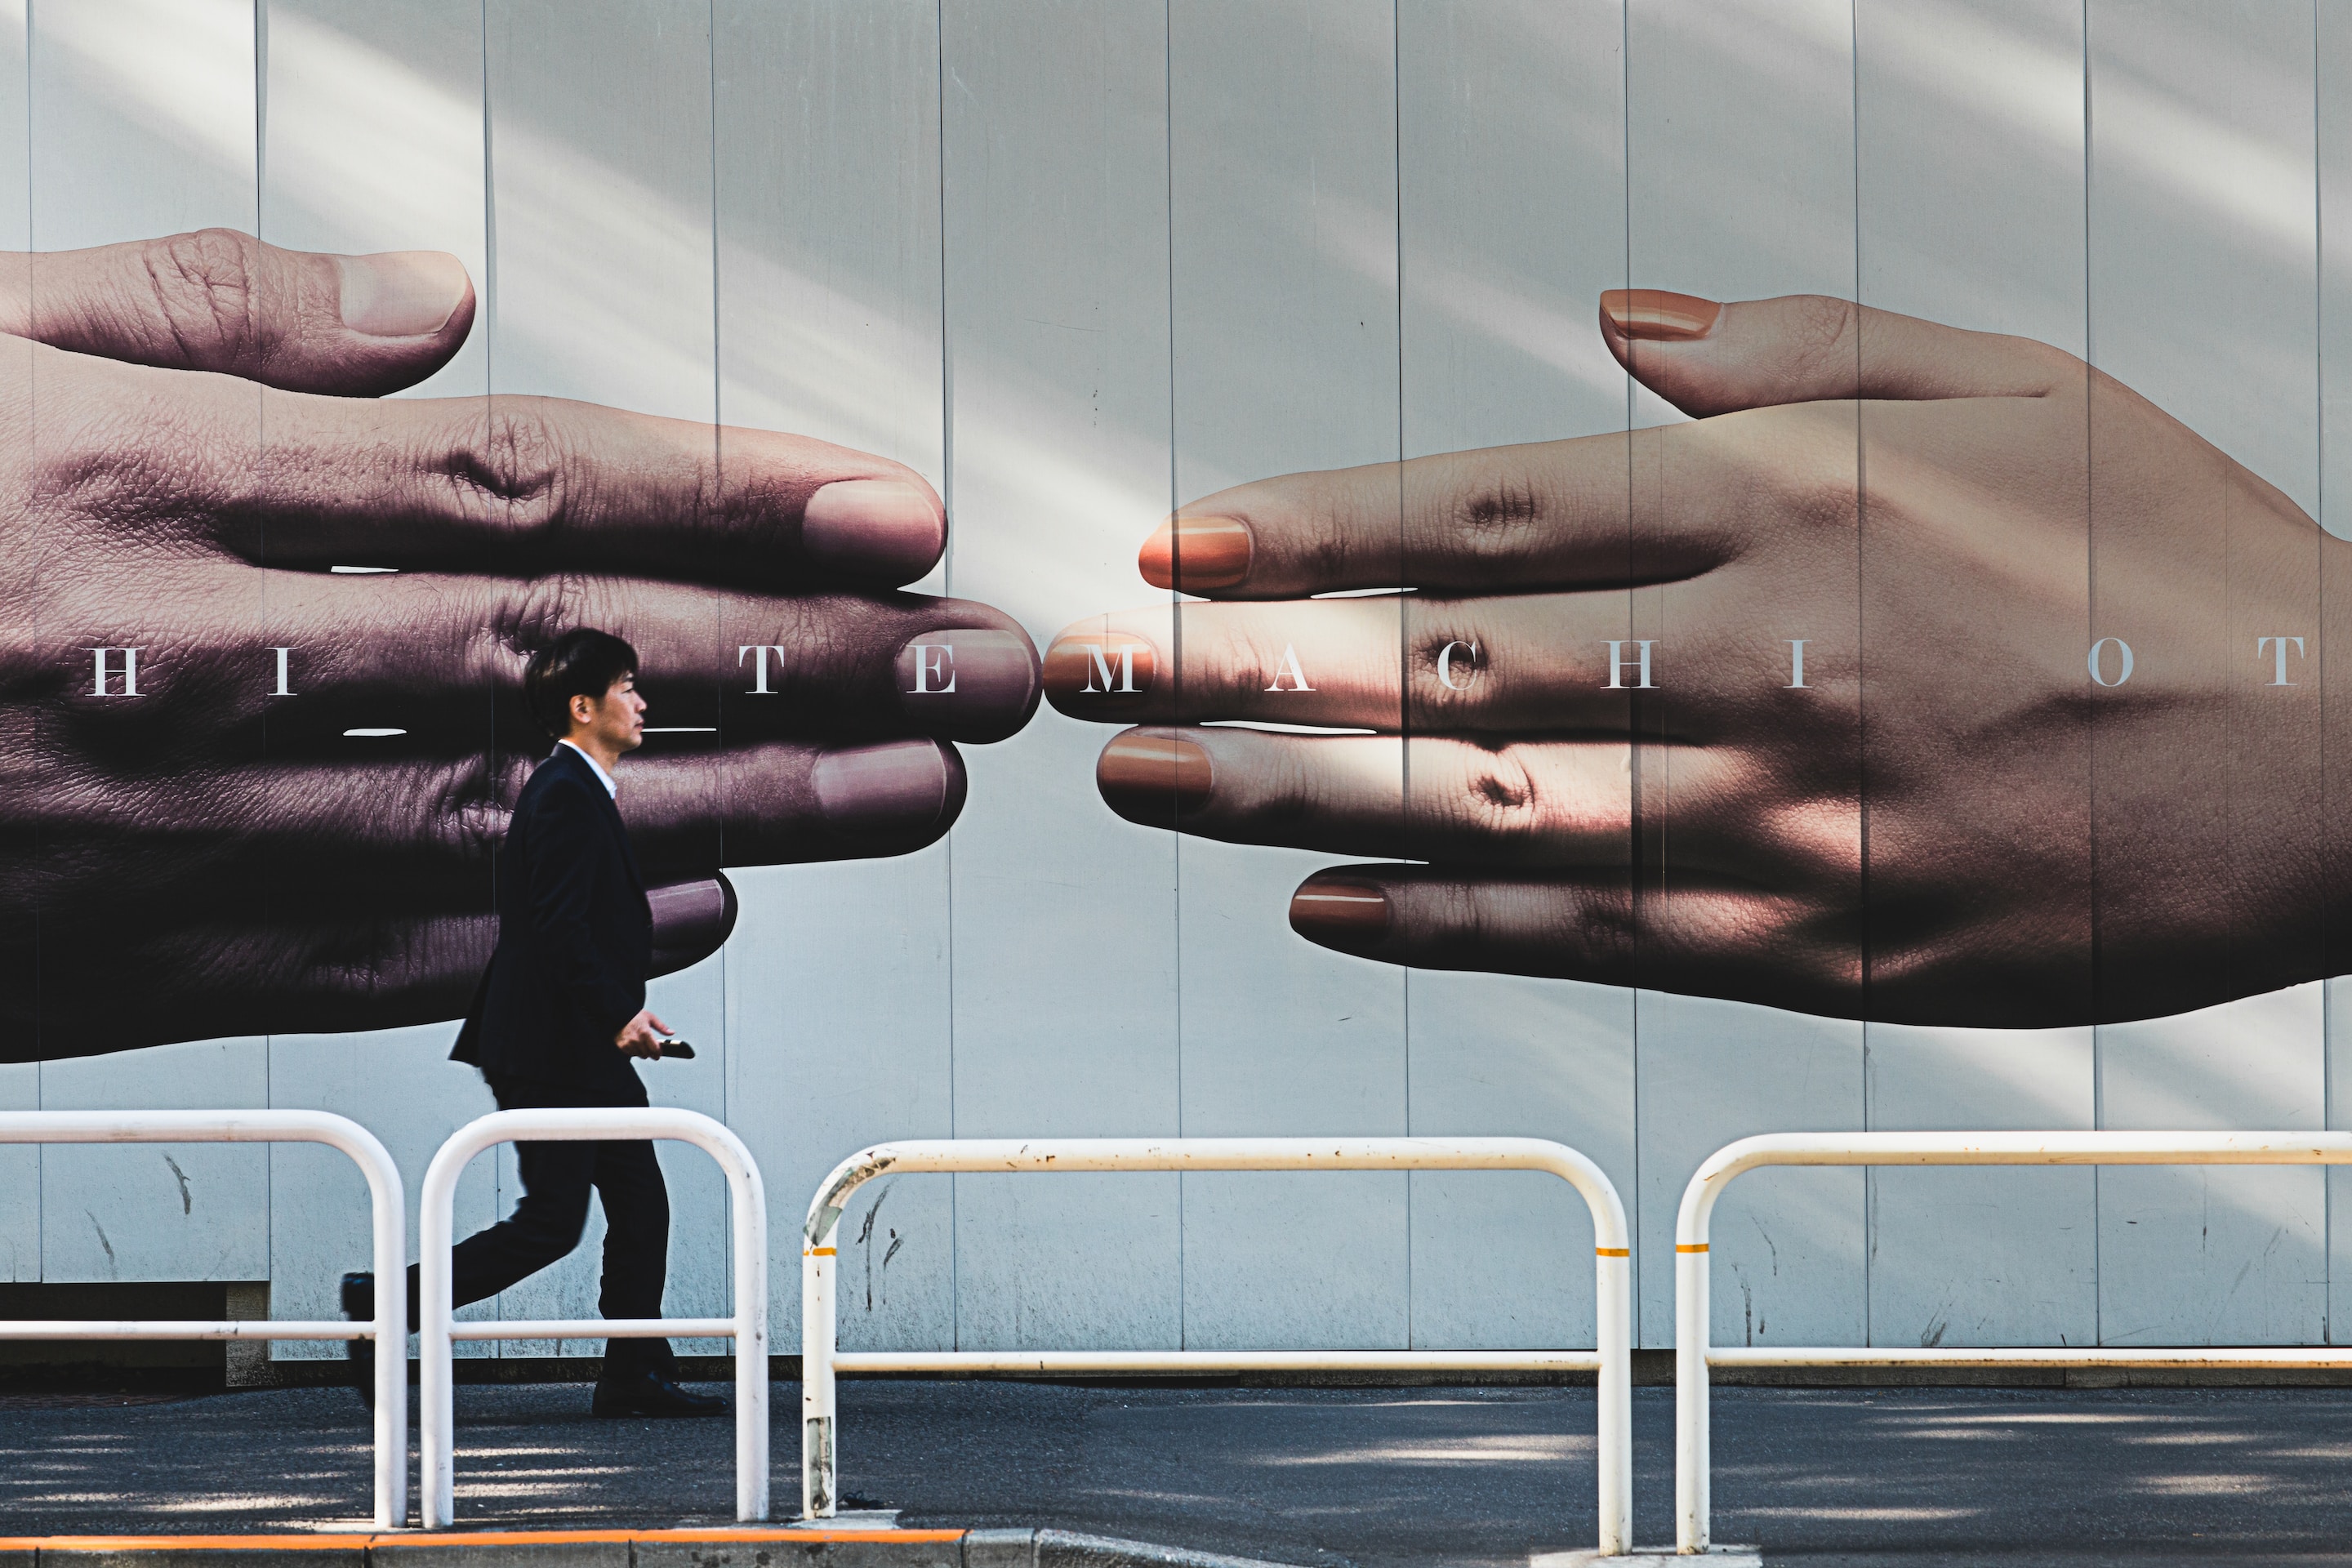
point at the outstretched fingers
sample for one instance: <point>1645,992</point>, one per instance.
<point>1553,513</point>
<point>533,484</point>
<point>1739,943</point>
<point>1377,794</point>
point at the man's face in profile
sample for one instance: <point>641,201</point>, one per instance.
<point>614,722</point>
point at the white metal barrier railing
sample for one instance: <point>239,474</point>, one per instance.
<point>1694,1355</point>
<point>388,1224</point>
<point>1610,1360</point>
<point>436,1417</point>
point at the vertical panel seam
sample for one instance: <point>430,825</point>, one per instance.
<point>1633,840</point>
<point>2090,610</point>
<point>2320,643</point>
<point>2319,640</point>
<point>1861,684</point>
<point>719,479</point>
<point>489,304</point>
<point>1405,654</point>
<point>261,407</point>
<point>947,504</point>
<point>1176,631</point>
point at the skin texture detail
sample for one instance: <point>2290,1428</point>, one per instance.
<point>285,819</point>
<point>1589,755</point>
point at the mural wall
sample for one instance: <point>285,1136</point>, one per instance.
<point>1633,572</point>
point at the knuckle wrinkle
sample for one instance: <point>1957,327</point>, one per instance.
<point>202,288</point>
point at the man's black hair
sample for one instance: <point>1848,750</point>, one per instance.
<point>583,662</point>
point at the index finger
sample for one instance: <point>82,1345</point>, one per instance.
<point>1550,514</point>
<point>521,485</point>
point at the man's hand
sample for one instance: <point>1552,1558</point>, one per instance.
<point>642,1035</point>
<point>2036,618</point>
<point>283,819</point>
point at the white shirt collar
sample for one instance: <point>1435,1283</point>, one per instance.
<point>602,776</point>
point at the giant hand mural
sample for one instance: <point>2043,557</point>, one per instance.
<point>1810,701</point>
<point>266,641</point>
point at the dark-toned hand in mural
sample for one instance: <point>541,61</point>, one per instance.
<point>1925,676</point>
<point>264,642</point>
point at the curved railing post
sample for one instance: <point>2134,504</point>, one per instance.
<point>1694,1328</point>
<point>819,1329</point>
<point>388,1232</point>
<point>1611,1360</point>
<point>388,1224</point>
<point>436,1400</point>
<point>1694,1355</point>
<point>1612,1295</point>
<point>749,1202</point>
<point>436,1333</point>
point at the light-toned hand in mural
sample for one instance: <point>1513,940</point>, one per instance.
<point>264,644</point>
<point>1927,675</point>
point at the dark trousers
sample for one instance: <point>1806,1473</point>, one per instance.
<point>552,1212</point>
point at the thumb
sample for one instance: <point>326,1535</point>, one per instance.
<point>1710,358</point>
<point>356,326</point>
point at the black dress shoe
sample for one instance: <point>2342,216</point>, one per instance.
<point>650,1394</point>
<point>359,1307</point>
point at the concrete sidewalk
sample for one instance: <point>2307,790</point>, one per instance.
<point>1459,1476</point>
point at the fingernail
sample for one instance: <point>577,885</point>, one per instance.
<point>899,789</point>
<point>1100,670</point>
<point>1154,779</point>
<point>1339,913</point>
<point>966,680</point>
<point>1197,553</point>
<point>691,921</point>
<point>874,527</point>
<point>400,294</point>
<point>1657,315</point>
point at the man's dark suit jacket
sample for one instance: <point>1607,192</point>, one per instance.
<point>576,941</point>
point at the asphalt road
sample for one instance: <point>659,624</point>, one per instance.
<point>1921,1478</point>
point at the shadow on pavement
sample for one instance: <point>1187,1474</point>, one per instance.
<point>1467,1476</point>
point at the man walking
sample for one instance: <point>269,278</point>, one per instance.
<point>559,1014</point>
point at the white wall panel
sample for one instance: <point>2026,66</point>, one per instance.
<point>2332,83</point>
<point>2203,256</point>
<point>2332,106</point>
<point>20,1179</point>
<point>1056,159</point>
<point>157,1211</point>
<point>1741,179</point>
<point>1969,212</point>
<point>1283,248</point>
<point>20,1084</point>
<point>602,278</point>
<point>2211,1254</point>
<point>1982,1256</point>
<point>1512,200</point>
<point>828,229</point>
<point>143,118</point>
<point>15,141</point>
<point>1787,1243</point>
<point>400,1085</point>
<point>822,1065</point>
<point>372,141</point>
<point>142,125</point>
